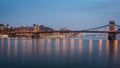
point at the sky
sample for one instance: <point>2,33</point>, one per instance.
<point>72,14</point>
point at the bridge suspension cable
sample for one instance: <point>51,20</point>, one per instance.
<point>118,26</point>
<point>97,27</point>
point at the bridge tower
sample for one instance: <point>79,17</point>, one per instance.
<point>111,34</point>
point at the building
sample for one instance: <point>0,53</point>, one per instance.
<point>36,27</point>
<point>43,28</point>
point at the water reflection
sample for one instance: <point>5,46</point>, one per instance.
<point>23,47</point>
<point>35,45</point>
<point>57,49</point>
<point>29,46</point>
<point>100,47</point>
<point>8,47</point>
<point>107,48</point>
<point>72,47</point>
<point>15,46</point>
<point>48,48</point>
<point>80,47</point>
<point>57,46</point>
<point>113,49</point>
<point>2,45</point>
<point>41,46</point>
<point>90,47</point>
<point>64,47</point>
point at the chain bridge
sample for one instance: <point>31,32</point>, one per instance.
<point>111,29</point>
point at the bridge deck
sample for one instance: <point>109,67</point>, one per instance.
<point>76,31</point>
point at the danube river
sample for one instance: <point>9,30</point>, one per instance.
<point>59,53</point>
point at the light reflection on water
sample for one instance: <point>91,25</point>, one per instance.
<point>67,51</point>
<point>90,48</point>
<point>100,47</point>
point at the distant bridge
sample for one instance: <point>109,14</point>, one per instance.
<point>112,29</point>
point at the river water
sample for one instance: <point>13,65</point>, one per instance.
<point>59,53</point>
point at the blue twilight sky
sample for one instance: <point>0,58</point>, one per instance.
<point>73,14</point>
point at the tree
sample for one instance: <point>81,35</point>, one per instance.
<point>1,24</point>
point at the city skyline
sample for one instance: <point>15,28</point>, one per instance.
<point>72,14</point>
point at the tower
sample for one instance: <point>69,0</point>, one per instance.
<point>111,34</point>
<point>36,27</point>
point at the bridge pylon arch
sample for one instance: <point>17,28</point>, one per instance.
<point>112,34</point>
